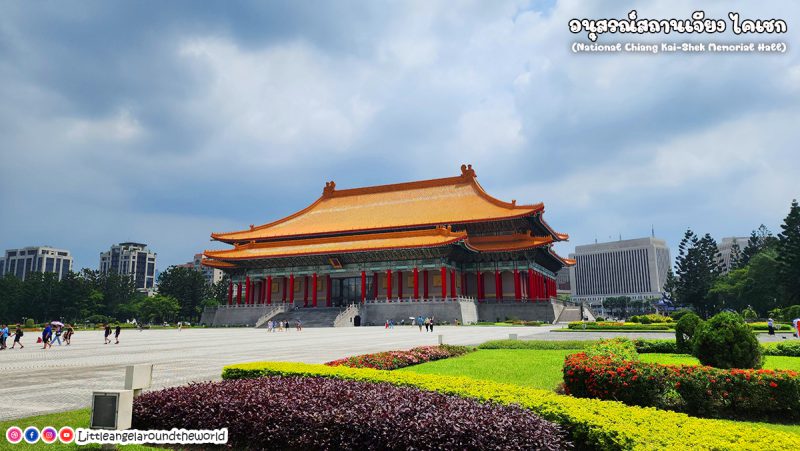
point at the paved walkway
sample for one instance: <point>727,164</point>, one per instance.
<point>36,381</point>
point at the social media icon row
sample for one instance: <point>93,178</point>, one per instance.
<point>48,434</point>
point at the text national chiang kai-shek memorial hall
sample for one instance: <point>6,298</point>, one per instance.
<point>423,242</point>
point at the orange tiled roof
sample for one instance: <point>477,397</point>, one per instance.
<point>565,261</point>
<point>217,264</point>
<point>504,243</point>
<point>452,200</point>
<point>343,244</point>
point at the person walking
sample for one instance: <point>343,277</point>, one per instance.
<point>68,334</point>
<point>794,324</point>
<point>3,337</point>
<point>47,333</point>
<point>107,333</point>
<point>420,322</point>
<point>56,336</point>
<point>432,323</point>
<point>771,326</point>
<point>18,337</point>
<point>116,334</point>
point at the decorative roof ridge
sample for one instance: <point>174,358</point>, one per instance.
<point>557,235</point>
<point>565,261</point>
<point>440,231</point>
<point>506,237</point>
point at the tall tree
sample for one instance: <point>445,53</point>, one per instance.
<point>698,267</point>
<point>735,261</point>
<point>760,239</point>
<point>187,286</point>
<point>670,285</point>
<point>789,255</point>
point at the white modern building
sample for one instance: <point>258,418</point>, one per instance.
<point>635,268</point>
<point>21,262</point>
<point>212,275</point>
<point>726,246</point>
<point>133,259</point>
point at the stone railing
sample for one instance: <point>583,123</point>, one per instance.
<point>416,300</point>
<point>345,318</point>
<point>271,313</point>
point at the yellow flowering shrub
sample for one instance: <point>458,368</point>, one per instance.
<point>592,422</point>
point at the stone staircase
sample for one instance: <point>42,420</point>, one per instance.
<point>309,317</point>
<point>569,314</point>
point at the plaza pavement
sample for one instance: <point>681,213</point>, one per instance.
<point>35,381</point>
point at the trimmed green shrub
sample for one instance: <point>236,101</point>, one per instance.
<point>678,314</point>
<point>684,331</point>
<point>656,346</point>
<point>726,341</point>
<point>785,349</point>
<point>29,323</point>
<point>616,349</point>
<point>616,325</point>
<point>749,313</point>
<point>535,344</point>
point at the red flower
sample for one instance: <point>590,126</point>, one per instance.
<point>773,384</point>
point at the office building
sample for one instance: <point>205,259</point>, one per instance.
<point>21,262</point>
<point>133,259</point>
<point>725,248</point>
<point>635,268</point>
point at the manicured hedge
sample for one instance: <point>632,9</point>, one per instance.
<point>392,360</point>
<point>656,346</point>
<point>303,413</point>
<point>614,325</point>
<point>698,390</point>
<point>535,344</point>
<point>764,326</point>
<point>607,425</point>
<point>786,349</point>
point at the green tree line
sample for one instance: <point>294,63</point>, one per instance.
<point>91,296</point>
<point>763,277</point>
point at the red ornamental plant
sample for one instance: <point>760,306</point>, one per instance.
<point>697,390</point>
<point>302,413</point>
<point>392,360</point>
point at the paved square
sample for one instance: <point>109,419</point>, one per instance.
<point>36,381</point>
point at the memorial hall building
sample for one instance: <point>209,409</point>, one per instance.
<point>442,248</point>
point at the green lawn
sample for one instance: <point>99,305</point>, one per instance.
<point>74,419</point>
<point>542,368</point>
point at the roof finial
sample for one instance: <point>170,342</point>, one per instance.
<point>330,187</point>
<point>252,227</point>
<point>467,171</point>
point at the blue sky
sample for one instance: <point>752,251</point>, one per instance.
<point>161,122</point>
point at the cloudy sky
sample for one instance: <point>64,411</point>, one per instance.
<point>161,122</point>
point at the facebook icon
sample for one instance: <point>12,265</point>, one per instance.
<point>31,434</point>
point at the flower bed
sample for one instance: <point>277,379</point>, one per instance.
<point>393,360</point>
<point>593,423</point>
<point>618,325</point>
<point>698,390</point>
<point>321,413</point>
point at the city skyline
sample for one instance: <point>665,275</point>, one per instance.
<point>208,119</point>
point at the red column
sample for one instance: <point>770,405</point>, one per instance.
<point>388,284</point>
<point>283,299</point>
<point>291,288</point>
<point>269,290</point>
<point>239,293</point>
<point>517,286</point>
<point>531,291</point>
<point>314,290</point>
<point>542,287</point>
<point>230,292</point>
<point>400,284</point>
<point>453,283</point>
<point>305,291</point>
<point>443,272</point>
<point>247,290</point>
<point>425,284</point>
<point>328,290</point>
<point>363,286</point>
<point>416,284</point>
<point>498,285</point>
<point>478,285</point>
<point>375,286</point>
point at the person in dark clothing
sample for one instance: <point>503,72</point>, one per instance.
<point>47,333</point>
<point>116,334</point>
<point>18,337</point>
<point>107,334</point>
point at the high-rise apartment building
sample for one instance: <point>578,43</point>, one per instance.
<point>635,268</point>
<point>212,275</point>
<point>133,259</point>
<point>21,262</point>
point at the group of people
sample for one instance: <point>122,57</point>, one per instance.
<point>282,326</point>
<point>4,334</point>
<point>53,332</point>
<point>428,322</point>
<point>107,333</point>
